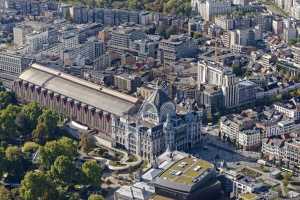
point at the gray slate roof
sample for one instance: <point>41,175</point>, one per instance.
<point>158,98</point>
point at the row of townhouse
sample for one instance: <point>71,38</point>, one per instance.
<point>286,151</point>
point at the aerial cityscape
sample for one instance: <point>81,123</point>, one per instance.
<point>149,99</point>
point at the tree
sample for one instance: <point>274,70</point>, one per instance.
<point>133,4</point>
<point>63,170</point>
<point>16,165</point>
<point>5,194</point>
<point>32,112</point>
<point>53,149</point>
<point>8,127</point>
<point>3,161</point>
<point>21,123</point>
<point>74,196</point>
<point>170,6</point>
<point>37,185</point>
<point>40,134</point>
<point>95,197</point>
<point>7,98</point>
<point>286,178</point>
<point>86,142</point>
<point>92,172</point>
<point>13,153</point>
<point>50,119</point>
<point>46,126</point>
<point>30,147</point>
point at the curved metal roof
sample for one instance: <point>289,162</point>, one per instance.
<point>80,90</point>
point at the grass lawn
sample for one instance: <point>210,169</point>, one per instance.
<point>187,171</point>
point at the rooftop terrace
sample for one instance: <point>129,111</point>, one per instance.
<point>248,196</point>
<point>186,171</point>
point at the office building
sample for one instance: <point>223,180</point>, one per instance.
<point>215,74</point>
<point>127,83</point>
<point>11,66</point>
<point>187,179</point>
<point>122,37</point>
<point>176,47</point>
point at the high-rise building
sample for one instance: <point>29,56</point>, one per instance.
<point>215,74</point>
<point>277,26</point>
<point>19,36</point>
<point>230,90</point>
<point>211,73</point>
<point>79,14</point>
<point>210,8</point>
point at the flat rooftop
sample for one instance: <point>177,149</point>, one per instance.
<point>186,170</point>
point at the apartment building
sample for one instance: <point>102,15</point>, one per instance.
<point>176,47</point>
<point>291,108</point>
<point>249,139</point>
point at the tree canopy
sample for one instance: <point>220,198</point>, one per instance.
<point>54,149</point>
<point>46,126</point>
<point>92,172</point>
<point>63,170</point>
<point>86,142</point>
<point>37,185</point>
<point>8,127</point>
<point>5,194</point>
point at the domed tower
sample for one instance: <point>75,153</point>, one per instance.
<point>168,130</point>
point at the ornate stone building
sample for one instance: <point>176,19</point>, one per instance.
<point>158,126</point>
<point>81,101</point>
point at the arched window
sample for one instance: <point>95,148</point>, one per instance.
<point>167,108</point>
<point>149,111</point>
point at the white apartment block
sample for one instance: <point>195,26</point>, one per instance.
<point>249,139</point>
<point>287,151</point>
<point>210,8</point>
<point>292,152</point>
<point>273,148</point>
<point>291,110</point>
<point>276,128</point>
<point>36,40</point>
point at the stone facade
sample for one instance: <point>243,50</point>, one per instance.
<point>157,127</point>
